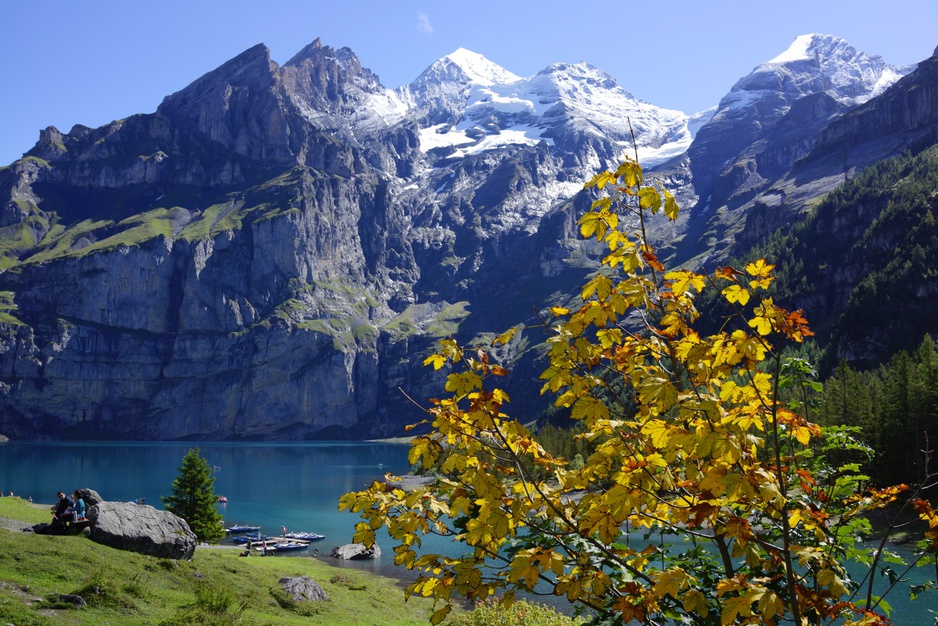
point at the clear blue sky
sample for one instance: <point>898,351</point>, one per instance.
<point>66,62</point>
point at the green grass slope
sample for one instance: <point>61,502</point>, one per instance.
<point>215,587</point>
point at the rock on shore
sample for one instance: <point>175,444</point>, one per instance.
<point>356,552</point>
<point>141,528</point>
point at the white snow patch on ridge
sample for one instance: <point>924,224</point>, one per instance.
<point>797,51</point>
<point>386,105</point>
<point>442,136</point>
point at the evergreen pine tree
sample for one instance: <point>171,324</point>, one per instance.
<point>193,498</point>
<point>925,391</point>
<point>894,433</point>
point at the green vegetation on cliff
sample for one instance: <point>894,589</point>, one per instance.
<point>862,265</point>
<point>67,229</point>
<point>7,307</point>
<point>866,252</point>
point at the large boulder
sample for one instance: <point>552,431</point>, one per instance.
<point>90,496</point>
<point>141,528</point>
<point>356,552</point>
<point>303,589</point>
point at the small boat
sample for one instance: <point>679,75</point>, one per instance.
<point>305,536</point>
<point>223,498</point>
<point>243,529</point>
<point>247,538</point>
<point>286,546</point>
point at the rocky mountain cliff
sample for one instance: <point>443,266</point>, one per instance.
<point>272,252</point>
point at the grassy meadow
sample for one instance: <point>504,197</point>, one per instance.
<point>215,588</point>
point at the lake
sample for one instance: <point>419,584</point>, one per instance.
<point>296,485</point>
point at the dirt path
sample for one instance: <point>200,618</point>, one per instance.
<point>13,525</point>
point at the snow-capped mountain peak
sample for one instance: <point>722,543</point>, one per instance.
<point>817,62</point>
<point>460,69</point>
<point>478,69</point>
<point>471,105</point>
<point>773,116</point>
<point>581,76</point>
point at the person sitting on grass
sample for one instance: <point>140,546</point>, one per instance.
<point>60,512</point>
<point>78,508</point>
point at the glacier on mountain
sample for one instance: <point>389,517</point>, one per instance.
<point>472,105</point>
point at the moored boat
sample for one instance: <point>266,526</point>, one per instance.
<point>305,536</point>
<point>243,529</point>
<point>247,538</point>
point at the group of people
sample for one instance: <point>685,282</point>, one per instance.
<point>247,549</point>
<point>68,510</point>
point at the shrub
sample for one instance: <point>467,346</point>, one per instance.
<point>521,613</point>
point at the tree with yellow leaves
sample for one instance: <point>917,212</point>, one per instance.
<point>708,500</point>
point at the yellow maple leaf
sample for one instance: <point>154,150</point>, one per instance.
<point>770,605</point>
<point>440,614</point>
<point>655,390</point>
<point>461,383</point>
<point>735,293</point>
<point>728,585</point>
<point>630,172</point>
<point>683,280</point>
<point>761,324</point>
<point>658,431</point>
<point>593,225</point>
<point>598,521</point>
<point>506,336</point>
<point>671,582</point>
<point>733,608</point>
<point>600,285</point>
<point>759,268</point>
<point>437,360</point>
<point>649,198</point>
<point>802,434</point>
<point>828,578</point>
<point>589,409</point>
<point>671,208</point>
<point>695,603</point>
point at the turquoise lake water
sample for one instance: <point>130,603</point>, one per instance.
<point>296,485</point>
